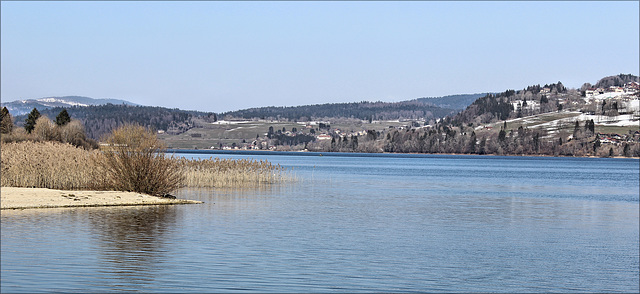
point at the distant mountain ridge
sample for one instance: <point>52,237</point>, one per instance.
<point>359,110</point>
<point>436,107</point>
<point>458,102</point>
<point>20,107</point>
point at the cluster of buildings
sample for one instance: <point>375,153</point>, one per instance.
<point>603,93</point>
<point>520,105</point>
<point>616,139</point>
<point>628,97</point>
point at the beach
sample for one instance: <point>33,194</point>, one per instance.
<point>23,198</point>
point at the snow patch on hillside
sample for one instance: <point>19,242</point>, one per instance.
<point>61,101</point>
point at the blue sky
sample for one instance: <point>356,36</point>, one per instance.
<point>221,56</point>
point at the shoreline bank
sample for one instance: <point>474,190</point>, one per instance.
<point>365,154</point>
<point>28,198</point>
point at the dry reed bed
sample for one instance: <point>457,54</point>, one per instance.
<point>48,165</point>
<point>61,166</point>
<point>216,172</point>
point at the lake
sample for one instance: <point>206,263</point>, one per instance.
<point>352,223</point>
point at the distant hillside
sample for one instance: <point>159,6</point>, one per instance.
<point>101,119</point>
<point>536,99</point>
<point>20,107</point>
<point>359,110</point>
<point>616,81</point>
<point>458,102</point>
<point>532,100</point>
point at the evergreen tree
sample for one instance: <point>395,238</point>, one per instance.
<point>592,126</point>
<point>626,150</point>
<point>544,99</point>
<point>472,142</point>
<point>270,132</point>
<point>502,135</point>
<point>30,122</point>
<point>63,118</point>
<point>596,145</point>
<point>483,144</point>
<point>6,122</point>
<point>576,129</point>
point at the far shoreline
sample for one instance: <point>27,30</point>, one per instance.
<point>364,154</point>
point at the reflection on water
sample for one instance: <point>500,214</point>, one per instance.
<point>132,242</point>
<point>227,202</point>
<point>409,224</point>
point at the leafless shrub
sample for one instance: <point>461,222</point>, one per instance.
<point>74,133</point>
<point>46,130</point>
<point>133,160</point>
<point>18,135</point>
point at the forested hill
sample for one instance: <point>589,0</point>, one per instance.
<point>534,100</point>
<point>459,102</point>
<point>359,110</point>
<point>615,81</point>
<point>101,119</point>
<point>500,106</point>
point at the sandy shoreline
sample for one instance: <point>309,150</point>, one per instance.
<point>22,198</point>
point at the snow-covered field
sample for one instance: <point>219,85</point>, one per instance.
<point>601,120</point>
<point>231,122</point>
<point>553,122</point>
<point>607,95</point>
<point>57,100</point>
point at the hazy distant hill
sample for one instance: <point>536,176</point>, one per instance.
<point>20,107</point>
<point>433,107</point>
<point>359,110</point>
<point>458,102</point>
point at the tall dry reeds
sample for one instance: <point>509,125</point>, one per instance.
<point>216,172</point>
<point>131,159</point>
<point>51,165</point>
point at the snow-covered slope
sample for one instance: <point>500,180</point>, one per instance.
<point>20,107</point>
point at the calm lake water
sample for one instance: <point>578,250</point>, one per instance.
<point>398,223</point>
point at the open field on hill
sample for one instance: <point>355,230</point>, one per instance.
<point>555,122</point>
<point>207,135</point>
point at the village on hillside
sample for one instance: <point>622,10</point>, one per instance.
<point>606,107</point>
